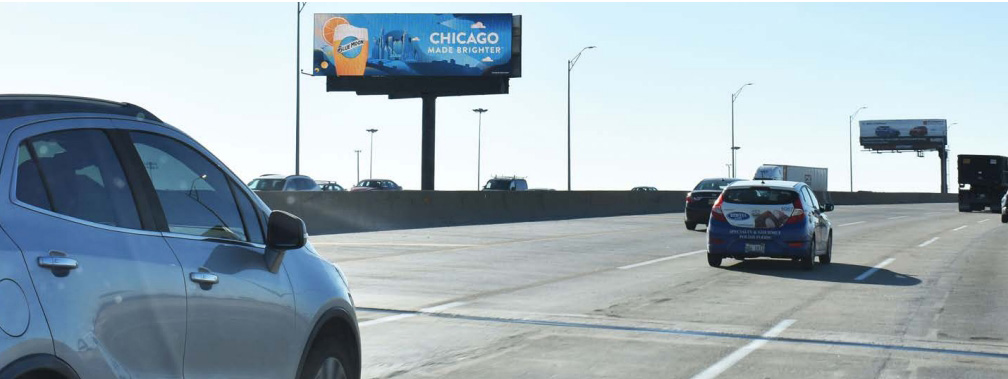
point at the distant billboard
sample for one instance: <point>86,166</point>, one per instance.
<point>903,134</point>
<point>395,44</point>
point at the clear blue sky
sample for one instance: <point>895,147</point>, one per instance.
<point>651,104</point>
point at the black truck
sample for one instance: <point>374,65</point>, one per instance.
<point>983,180</point>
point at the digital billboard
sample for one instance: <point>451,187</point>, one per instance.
<point>398,44</point>
<point>903,134</point>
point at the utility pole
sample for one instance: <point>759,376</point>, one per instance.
<point>733,147</point>
<point>358,165</point>
<point>297,96</point>
<point>479,144</point>
<point>371,161</point>
<point>850,141</point>
<point>570,66</point>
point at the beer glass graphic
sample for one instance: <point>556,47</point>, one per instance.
<point>350,46</point>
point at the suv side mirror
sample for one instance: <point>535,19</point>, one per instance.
<point>284,231</point>
<point>828,207</point>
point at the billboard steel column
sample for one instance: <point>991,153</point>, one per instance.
<point>427,144</point>
<point>943,156</point>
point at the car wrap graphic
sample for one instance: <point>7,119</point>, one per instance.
<point>757,216</point>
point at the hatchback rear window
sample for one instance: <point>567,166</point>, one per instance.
<point>759,195</point>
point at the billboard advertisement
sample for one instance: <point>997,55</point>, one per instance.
<point>903,134</point>
<point>400,44</point>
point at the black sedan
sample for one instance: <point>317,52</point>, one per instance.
<point>702,198</point>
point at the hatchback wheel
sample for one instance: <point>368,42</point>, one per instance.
<point>828,257</point>
<point>690,225</point>
<point>1004,216</point>
<point>809,260</point>
<point>714,260</point>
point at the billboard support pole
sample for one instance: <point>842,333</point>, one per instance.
<point>427,144</point>
<point>943,156</point>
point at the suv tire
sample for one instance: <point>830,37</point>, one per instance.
<point>329,359</point>
<point>690,225</point>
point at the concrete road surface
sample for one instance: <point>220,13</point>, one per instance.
<point>914,291</point>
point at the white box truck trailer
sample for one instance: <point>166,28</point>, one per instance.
<point>815,177</point>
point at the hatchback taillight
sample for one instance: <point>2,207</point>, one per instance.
<point>689,197</point>
<point>798,214</point>
<point>716,212</point>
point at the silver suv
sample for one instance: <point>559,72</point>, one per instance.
<point>128,250</point>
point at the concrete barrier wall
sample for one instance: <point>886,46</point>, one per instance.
<point>346,212</point>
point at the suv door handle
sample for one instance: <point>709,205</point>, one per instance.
<point>203,277</point>
<point>57,263</point>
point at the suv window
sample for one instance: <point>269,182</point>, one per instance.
<point>196,195</point>
<point>304,184</point>
<point>76,173</point>
<point>261,184</point>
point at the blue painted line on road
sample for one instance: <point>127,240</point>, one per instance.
<point>696,333</point>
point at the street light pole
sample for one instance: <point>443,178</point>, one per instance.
<point>570,66</point>
<point>850,141</point>
<point>371,160</point>
<point>479,144</point>
<point>358,165</point>
<point>733,147</point>
<point>297,101</point>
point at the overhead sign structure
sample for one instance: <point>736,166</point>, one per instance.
<point>896,135</point>
<point>413,45</point>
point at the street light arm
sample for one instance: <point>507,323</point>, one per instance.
<point>574,60</point>
<point>736,94</point>
<point>301,6</point>
<point>856,112</point>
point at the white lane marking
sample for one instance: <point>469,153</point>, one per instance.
<point>391,244</point>
<point>873,270</point>
<point>960,228</point>
<point>645,263</point>
<point>727,362</point>
<point>928,242</point>
<point>434,309</point>
<point>852,223</point>
<point>898,217</point>
<point>983,221</point>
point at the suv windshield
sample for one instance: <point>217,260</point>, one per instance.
<point>498,184</point>
<point>760,195</point>
<point>267,184</point>
<point>714,184</point>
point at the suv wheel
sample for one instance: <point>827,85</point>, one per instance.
<point>328,359</point>
<point>713,260</point>
<point>809,261</point>
<point>690,225</point>
<point>828,257</point>
<point>1004,216</point>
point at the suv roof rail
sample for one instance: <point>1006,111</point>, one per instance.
<point>18,105</point>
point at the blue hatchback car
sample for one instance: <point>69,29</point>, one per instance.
<point>776,219</point>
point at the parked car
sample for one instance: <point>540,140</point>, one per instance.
<point>506,183</point>
<point>129,250</point>
<point>275,182</point>
<point>644,189</point>
<point>885,131</point>
<point>776,219</point>
<point>701,199</point>
<point>326,185</point>
<point>376,185</point>
<point>919,131</point>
